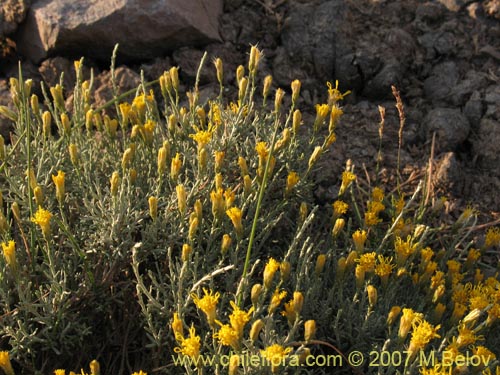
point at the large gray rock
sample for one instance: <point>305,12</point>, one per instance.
<point>450,125</point>
<point>144,29</point>
<point>309,37</point>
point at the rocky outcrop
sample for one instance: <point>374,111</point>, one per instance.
<point>12,12</point>
<point>144,29</point>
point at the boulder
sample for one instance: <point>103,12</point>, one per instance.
<point>450,125</point>
<point>144,29</point>
<point>485,146</point>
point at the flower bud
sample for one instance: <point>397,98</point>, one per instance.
<point>35,106</point>
<point>234,363</point>
<point>193,226</point>
<point>255,293</point>
<point>278,99</point>
<point>16,211</point>
<point>338,227</point>
<point>65,123</point>
<point>219,69</point>
<point>268,81</point>
<point>372,295</point>
<point>295,91</point>
<point>247,185</point>
<point>360,276</point>
<point>181,198</point>
<point>393,314</point>
<point>219,159</point>
<point>226,243</point>
<point>175,167</point>
<point>253,61</point>
<point>114,182</point>
<point>174,77</point>
<point>73,154</point>
<point>309,330</point>
<point>95,368</point>
<point>46,123</point>
<point>132,175</point>
<point>314,156</point>
<point>242,88</point>
<point>320,264</point>
<point>240,72</point>
<point>298,302</point>
<point>285,268</point>
<point>243,166</point>
<point>187,250</point>
<point>256,328</point>
<point>59,183</point>
<point>297,121</point>
<point>153,207</point>
<point>37,192</point>
<point>3,154</point>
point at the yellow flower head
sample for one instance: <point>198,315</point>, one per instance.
<point>269,270</point>
<point>377,194</point>
<point>347,179</point>
<point>492,238</point>
<point>384,268</point>
<point>276,355</point>
<point>239,318</point>
<point>189,346</point>
<point>422,334</point>
<point>291,180</point>
<point>207,304</point>
<point>276,299</point>
<point>139,373</point>
<point>409,316</point>
<point>404,249</point>
<point>202,138</point>
<point>466,336</point>
<point>359,239</point>
<point>235,214</point>
<point>42,218</point>
<point>9,253</point>
<point>262,151</point>
<point>177,326</point>
<point>334,94</point>
<point>339,208</point>
<point>228,336</point>
<point>367,261</point>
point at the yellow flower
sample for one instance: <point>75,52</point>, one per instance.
<point>314,156</point>
<point>291,180</point>
<point>189,346</point>
<point>384,268</point>
<point>422,334</point>
<point>268,81</point>
<point>321,113</point>
<point>276,299</point>
<point>177,326</point>
<point>262,151</point>
<point>239,318</point>
<point>207,304</point>
<point>409,316</point>
<point>289,312</point>
<point>403,250</point>
<point>59,183</point>
<point>5,364</point>
<point>466,336</point>
<point>465,216</point>
<point>139,373</point>
<point>438,369</point>
<point>269,270</point>
<point>295,90</point>
<point>234,363</point>
<point>335,114</point>
<point>492,238</point>
<point>347,179</point>
<point>367,261</point>
<point>377,194</point>
<point>359,238</point>
<point>202,138</point>
<point>9,253</point>
<point>228,336</point>
<point>334,94</point>
<point>42,218</point>
<point>371,218</point>
<point>59,372</point>
<point>235,214</point>
<point>339,208</point>
<point>276,355</point>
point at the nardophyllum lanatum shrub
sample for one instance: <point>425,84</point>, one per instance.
<point>154,236</point>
